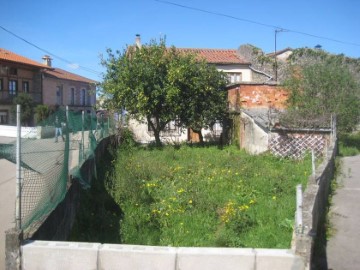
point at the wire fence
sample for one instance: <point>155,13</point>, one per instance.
<point>49,154</point>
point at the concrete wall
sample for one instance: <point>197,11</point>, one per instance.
<point>314,208</point>
<point>142,134</point>
<point>10,131</point>
<point>69,255</point>
<point>252,137</point>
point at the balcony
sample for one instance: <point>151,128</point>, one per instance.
<point>7,97</point>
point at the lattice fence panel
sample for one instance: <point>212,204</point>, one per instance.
<point>295,145</point>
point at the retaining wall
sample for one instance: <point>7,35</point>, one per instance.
<point>314,210</point>
<point>69,255</point>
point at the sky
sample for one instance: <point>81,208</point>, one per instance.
<point>76,33</point>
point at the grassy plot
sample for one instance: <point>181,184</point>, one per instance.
<point>205,196</point>
<point>349,144</point>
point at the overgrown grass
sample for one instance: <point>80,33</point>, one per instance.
<point>205,196</point>
<point>349,144</point>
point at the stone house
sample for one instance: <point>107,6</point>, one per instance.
<point>45,84</point>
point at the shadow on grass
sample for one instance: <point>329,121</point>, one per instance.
<point>98,217</point>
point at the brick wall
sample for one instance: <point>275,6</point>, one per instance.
<point>257,96</point>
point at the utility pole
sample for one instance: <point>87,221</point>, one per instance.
<point>275,58</point>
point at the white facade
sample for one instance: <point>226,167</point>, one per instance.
<point>244,70</point>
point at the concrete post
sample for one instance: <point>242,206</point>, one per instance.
<point>313,164</point>
<point>13,241</point>
<point>299,204</point>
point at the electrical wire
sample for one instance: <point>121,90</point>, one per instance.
<point>255,22</point>
<point>49,53</point>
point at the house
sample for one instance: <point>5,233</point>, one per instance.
<point>44,83</point>
<point>18,74</point>
<point>63,88</point>
<point>226,60</point>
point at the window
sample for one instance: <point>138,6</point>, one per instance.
<point>83,97</point>
<point>217,129</point>
<point>89,99</point>
<point>1,84</point>
<point>3,117</point>
<point>72,96</point>
<point>234,77</point>
<point>12,87</point>
<point>26,87</point>
<point>59,95</point>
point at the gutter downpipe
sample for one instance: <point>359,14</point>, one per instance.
<point>261,72</point>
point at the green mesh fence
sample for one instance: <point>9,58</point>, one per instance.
<point>47,160</point>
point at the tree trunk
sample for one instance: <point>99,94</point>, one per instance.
<point>157,137</point>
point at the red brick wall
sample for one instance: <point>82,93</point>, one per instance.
<point>257,96</point>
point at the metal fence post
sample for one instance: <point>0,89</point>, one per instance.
<point>82,135</point>
<point>18,169</point>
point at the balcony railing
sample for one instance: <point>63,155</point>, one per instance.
<point>7,97</point>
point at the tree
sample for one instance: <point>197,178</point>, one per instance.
<point>156,84</point>
<point>202,99</point>
<point>322,89</point>
<point>27,104</point>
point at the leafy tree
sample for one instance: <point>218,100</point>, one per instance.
<point>27,104</point>
<point>157,84</point>
<point>322,89</point>
<point>201,99</point>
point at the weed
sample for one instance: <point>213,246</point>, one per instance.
<point>205,196</point>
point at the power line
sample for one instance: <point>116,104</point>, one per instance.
<point>255,22</point>
<point>49,53</point>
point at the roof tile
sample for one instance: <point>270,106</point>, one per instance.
<point>216,56</point>
<point>13,57</point>
<point>65,75</point>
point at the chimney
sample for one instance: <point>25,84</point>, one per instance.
<point>47,60</point>
<point>138,41</point>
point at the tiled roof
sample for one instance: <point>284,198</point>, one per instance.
<point>13,57</point>
<point>65,75</point>
<point>216,56</point>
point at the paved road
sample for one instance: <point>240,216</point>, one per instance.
<point>343,248</point>
<point>7,199</point>
<point>43,157</point>
<point>7,203</point>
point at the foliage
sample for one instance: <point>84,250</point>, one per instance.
<point>27,104</point>
<point>42,112</point>
<point>152,81</point>
<point>349,144</point>
<point>321,89</point>
<point>97,219</point>
<point>191,196</point>
<point>201,98</point>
